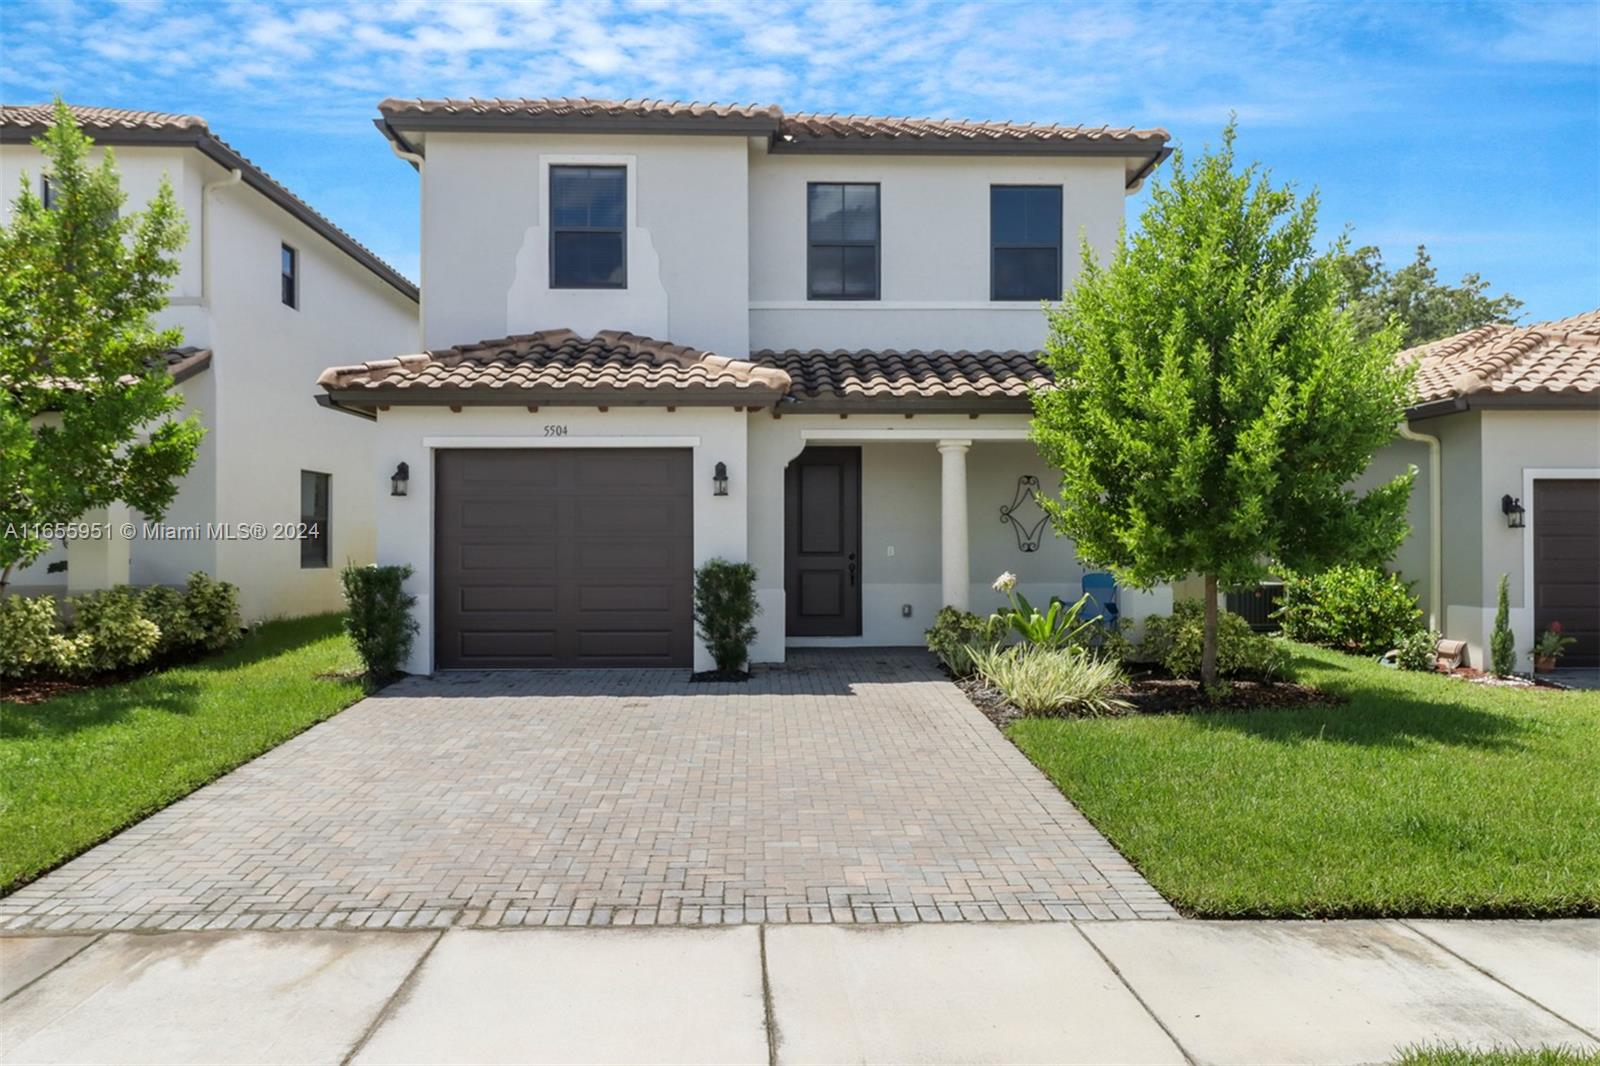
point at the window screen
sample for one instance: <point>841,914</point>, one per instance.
<point>588,223</point>
<point>1025,239</point>
<point>843,233</point>
<point>315,510</point>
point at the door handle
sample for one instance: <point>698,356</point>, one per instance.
<point>852,571</point>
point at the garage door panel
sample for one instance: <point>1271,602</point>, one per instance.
<point>1566,563</point>
<point>563,558</point>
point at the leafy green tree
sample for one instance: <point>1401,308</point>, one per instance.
<point>1425,309</point>
<point>1211,403</point>
<point>86,407</point>
<point>1502,642</point>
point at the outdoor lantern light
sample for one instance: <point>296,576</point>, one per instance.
<point>1512,509</point>
<point>398,482</point>
<point>719,478</point>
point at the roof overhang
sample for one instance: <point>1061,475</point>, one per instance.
<point>1505,401</point>
<point>224,156</point>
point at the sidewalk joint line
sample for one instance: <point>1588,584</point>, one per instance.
<point>391,1003</point>
<point>1405,923</point>
<point>27,985</point>
<point>1134,992</point>
<point>768,1018</point>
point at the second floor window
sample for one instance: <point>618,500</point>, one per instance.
<point>588,227</point>
<point>1025,242</point>
<point>291,276</point>
<point>842,237</point>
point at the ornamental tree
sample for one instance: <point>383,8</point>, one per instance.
<point>1212,404</point>
<point>87,411</point>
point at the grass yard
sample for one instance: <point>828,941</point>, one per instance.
<point>79,767</point>
<point>1460,1056</point>
<point>1421,796</point>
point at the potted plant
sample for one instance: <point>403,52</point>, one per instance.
<point>1550,646</point>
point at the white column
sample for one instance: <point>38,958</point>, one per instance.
<point>954,569</point>
<point>102,562</point>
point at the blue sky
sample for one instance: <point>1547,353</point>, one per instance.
<point>1474,128</point>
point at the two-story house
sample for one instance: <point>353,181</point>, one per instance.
<point>659,333</point>
<point>268,293</point>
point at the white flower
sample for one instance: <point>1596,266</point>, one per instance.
<point>1005,582</point>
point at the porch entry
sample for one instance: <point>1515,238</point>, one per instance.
<point>822,543</point>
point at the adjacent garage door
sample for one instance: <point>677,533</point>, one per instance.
<point>563,558</point>
<point>1566,564</point>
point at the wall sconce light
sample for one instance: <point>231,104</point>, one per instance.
<point>399,480</point>
<point>719,479</point>
<point>1512,509</point>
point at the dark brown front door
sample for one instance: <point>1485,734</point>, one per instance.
<point>822,543</point>
<point>563,557</point>
<point>1566,564</point>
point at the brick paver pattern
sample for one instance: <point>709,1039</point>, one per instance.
<point>847,786</point>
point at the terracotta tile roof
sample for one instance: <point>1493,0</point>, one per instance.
<point>799,131</point>
<point>909,380</point>
<point>558,366</point>
<point>1549,359</point>
<point>185,363</point>
<point>113,125</point>
<point>839,127</point>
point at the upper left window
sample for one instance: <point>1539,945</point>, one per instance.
<point>588,227</point>
<point>291,277</point>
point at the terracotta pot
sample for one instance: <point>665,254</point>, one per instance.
<point>1544,664</point>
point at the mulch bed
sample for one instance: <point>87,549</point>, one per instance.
<point>28,690</point>
<point>1153,693</point>
<point>720,675</point>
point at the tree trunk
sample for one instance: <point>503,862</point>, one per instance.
<point>5,578</point>
<point>1208,650</point>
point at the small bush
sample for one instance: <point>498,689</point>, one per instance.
<point>1418,650</point>
<point>955,634</point>
<point>725,609</point>
<point>1177,640</point>
<point>213,608</point>
<point>167,608</point>
<point>108,632</point>
<point>378,617</point>
<point>1039,680</point>
<point>27,635</point>
<point>1354,608</point>
<point>1502,642</point>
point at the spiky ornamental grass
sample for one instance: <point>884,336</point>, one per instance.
<point>1212,405</point>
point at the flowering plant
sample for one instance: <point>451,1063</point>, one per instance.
<point>1552,643</point>
<point>1056,627</point>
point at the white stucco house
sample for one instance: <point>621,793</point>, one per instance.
<point>1505,435</point>
<point>657,333</point>
<point>268,293</point>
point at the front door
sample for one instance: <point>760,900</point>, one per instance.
<point>1566,564</point>
<point>822,543</point>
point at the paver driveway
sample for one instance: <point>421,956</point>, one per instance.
<point>854,786</point>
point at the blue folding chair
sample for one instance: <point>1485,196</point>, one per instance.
<point>1101,588</point>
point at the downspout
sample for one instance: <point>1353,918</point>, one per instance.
<point>1435,524</point>
<point>235,176</point>
<point>415,159</point>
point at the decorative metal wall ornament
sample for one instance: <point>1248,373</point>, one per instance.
<point>1030,531</point>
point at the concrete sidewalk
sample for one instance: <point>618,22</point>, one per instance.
<point>1241,992</point>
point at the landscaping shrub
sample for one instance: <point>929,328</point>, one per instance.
<point>725,608</point>
<point>1176,640</point>
<point>27,635</point>
<point>1039,680</point>
<point>1502,643</point>
<point>1418,650</point>
<point>955,634</point>
<point>378,617</point>
<point>213,608</point>
<point>1358,609</point>
<point>1057,626</point>
<point>167,608</point>
<point>107,632</point>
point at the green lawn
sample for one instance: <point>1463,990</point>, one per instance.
<point>77,768</point>
<point>1421,796</point>
<point>1459,1056</point>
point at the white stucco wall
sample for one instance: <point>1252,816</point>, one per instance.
<point>935,248</point>
<point>486,245</point>
<point>405,524</point>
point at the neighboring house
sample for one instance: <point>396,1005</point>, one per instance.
<point>797,340</point>
<point>268,293</point>
<point>1512,485</point>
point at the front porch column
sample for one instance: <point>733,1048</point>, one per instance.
<point>101,562</point>
<point>953,566</point>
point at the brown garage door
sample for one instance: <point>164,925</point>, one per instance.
<point>563,558</point>
<point>1566,564</point>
